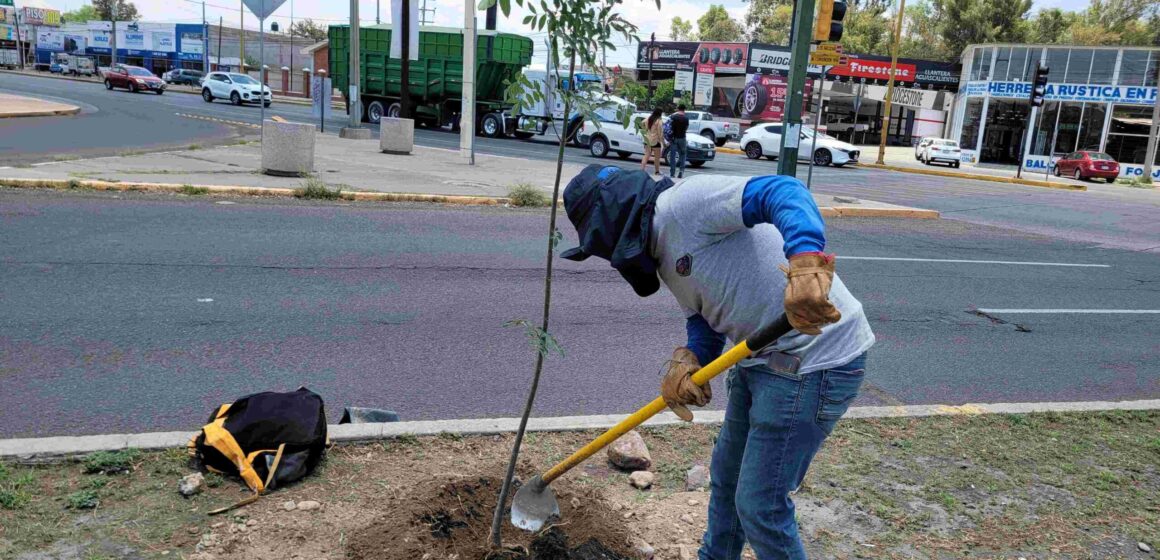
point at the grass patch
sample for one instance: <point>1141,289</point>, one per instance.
<point>83,499</point>
<point>1135,182</point>
<point>193,191</point>
<point>314,188</point>
<point>194,147</point>
<point>74,184</point>
<point>14,488</point>
<point>111,462</point>
<point>525,194</point>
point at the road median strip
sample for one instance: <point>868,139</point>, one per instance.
<point>977,177</point>
<point>367,196</point>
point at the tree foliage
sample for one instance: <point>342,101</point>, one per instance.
<point>681,30</point>
<point>717,25</point>
<point>770,20</point>
<point>82,14</point>
<point>121,10</point>
<point>309,29</point>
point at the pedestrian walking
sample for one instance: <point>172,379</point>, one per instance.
<point>679,149</point>
<point>736,252</point>
<point>653,140</point>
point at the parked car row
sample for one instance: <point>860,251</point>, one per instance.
<point>239,89</point>
<point>938,150</point>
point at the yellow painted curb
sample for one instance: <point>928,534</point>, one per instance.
<point>991,178</point>
<point>133,186</point>
<point>731,151</point>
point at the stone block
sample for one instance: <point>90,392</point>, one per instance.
<point>287,148</point>
<point>396,136</point>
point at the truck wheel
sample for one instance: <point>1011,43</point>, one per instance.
<point>598,145</point>
<point>375,112</point>
<point>395,110</point>
<point>710,135</point>
<point>623,155</point>
<point>721,142</point>
<point>491,127</point>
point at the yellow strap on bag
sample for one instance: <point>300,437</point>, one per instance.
<point>217,437</point>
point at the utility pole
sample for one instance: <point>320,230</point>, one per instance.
<point>19,43</point>
<point>890,84</point>
<point>292,72</point>
<point>467,107</point>
<point>204,40</point>
<point>795,89</point>
<point>1150,153</point>
<point>378,12</point>
<point>652,44</point>
<point>242,35</point>
<point>113,38</point>
<point>221,27</point>
<point>405,67</point>
<point>353,102</point>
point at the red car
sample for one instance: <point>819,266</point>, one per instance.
<point>1087,165</point>
<point>134,79</point>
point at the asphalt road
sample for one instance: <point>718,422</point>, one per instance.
<point>1108,216</point>
<point>142,312</point>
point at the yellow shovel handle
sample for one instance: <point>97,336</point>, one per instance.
<point>763,338</point>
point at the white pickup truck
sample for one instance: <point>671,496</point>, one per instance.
<point>718,132</point>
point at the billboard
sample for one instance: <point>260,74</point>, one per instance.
<point>763,98</point>
<point>50,40</point>
<point>127,39</point>
<point>728,58</point>
<point>162,41</point>
<point>192,43</point>
<point>41,16</point>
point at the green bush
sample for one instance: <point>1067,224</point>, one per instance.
<point>315,188</point>
<point>84,499</point>
<point>193,191</point>
<point>524,194</point>
<point>111,462</point>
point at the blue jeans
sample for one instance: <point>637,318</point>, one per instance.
<point>774,424</point>
<point>678,151</point>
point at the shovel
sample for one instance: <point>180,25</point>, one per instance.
<point>535,502</point>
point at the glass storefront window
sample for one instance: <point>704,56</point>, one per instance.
<point>1091,129</point>
<point>1128,133</point>
<point>1132,67</point>
<point>1056,64</point>
<point>1042,136</point>
<point>972,118</point>
<point>1002,63</point>
<point>981,64</point>
<point>1103,66</point>
<point>1150,72</point>
<point>1067,133</point>
<point>1079,66</point>
<point>1020,62</point>
<point>1007,121</point>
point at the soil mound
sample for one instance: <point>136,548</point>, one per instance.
<point>447,519</point>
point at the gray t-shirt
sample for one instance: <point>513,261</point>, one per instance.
<point>728,273</point>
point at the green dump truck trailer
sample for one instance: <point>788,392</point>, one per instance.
<point>436,79</point>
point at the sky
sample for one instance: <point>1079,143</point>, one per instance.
<point>643,13</point>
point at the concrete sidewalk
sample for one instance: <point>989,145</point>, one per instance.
<point>20,106</point>
<point>352,165</point>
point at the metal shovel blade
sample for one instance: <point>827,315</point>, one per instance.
<point>534,505</point>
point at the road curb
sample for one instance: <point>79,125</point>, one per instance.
<point>731,151</point>
<point>42,449</point>
<point>365,196</point>
<point>55,113</point>
<point>960,175</point>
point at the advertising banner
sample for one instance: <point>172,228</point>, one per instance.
<point>763,98</point>
<point>767,59</point>
<point>50,40</point>
<point>729,58</point>
<point>413,29</point>
<point>100,39</point>
<point>162,41</point>
<point>193,43</point>
<point>7,15</point>
<point>703,92</point>
<point>684,78</point>
<point>130,39</point>
<point>7,32</point>
<point>75,43</point>
<point>876,70</point>
<point>1136,95</point>
<point>41,16</point>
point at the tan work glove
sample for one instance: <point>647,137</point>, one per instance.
<point>807,293</point>
<point>678,388</point>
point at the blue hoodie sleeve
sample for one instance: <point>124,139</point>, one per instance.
<point>789,206</point>
<point>705,342</point>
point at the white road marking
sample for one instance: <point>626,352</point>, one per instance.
<point>204,300</point>
<point>1080,311</point>
<point>968,261</point>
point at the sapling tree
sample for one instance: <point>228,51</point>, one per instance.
<point>577,32</point>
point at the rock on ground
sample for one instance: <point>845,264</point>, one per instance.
<point>307,505</point>
<point>1143,546</point>
<point>191,484</point>
<point>641,479</point>
<point>645,550</point>
<point>630,453</point>
<point>697,478</point>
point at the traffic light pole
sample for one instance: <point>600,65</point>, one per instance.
<point>799,63</point>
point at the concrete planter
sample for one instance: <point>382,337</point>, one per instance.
<point>396,136</point>
<point>287,149</point>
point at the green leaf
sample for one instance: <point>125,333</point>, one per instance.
<point>485,4</point>
<point>506,7</point>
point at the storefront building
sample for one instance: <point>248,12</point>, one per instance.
<point>158,47</point>
<point>747,81</point>
<point>1098,99</point>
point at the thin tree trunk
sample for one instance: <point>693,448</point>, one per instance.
<point>497,519</point>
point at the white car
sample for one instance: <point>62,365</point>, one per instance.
<point>921,145</point>
<point>940,150</point>
<point>238,88</point>
<point>718,132</point>
<point>765,140</point>
<point>611,136</point>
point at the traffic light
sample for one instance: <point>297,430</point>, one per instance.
<point>1039,85</point>
<point>829,24</point>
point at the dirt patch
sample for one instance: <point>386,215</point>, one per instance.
<point>452,519</point>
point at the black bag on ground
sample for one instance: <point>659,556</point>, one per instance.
<point>268,439</point>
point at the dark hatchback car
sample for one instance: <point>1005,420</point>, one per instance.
<point>184,76</point>
<point>134,79</point>
<point>1087,165</point>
